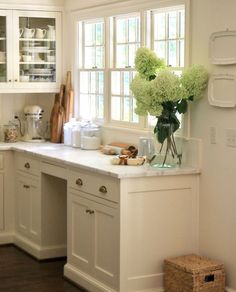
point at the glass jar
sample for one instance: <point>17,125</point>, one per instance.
<point>90,137</point>
<point>76,141</point>
<point>10,133</point>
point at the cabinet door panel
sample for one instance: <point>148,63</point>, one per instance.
<point>1,202</point>
<point>79,232</point>
<point>23,206</point>
<point>106,242</point>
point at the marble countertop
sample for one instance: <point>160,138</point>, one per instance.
<point>91,160</point>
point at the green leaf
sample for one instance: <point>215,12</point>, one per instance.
<point>182,106</point>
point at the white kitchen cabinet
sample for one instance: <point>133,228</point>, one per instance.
<point>30,51</point>
<point>1,202</point>
<point>28,208</point>
<point>93,238</point>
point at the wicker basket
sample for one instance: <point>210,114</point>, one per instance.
<point>192,273</point>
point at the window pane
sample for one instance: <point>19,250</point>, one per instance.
<point>89,57</point>
<point>100,82</point>
<point>121,30</point>
<point>84,106</point>
<point>99,57</point>
<point>135,118</point>
<point>172,54</point>
<point>115,83</point>
<point>89,34</point>
<point>126,84</point>
<point>181,54</point>
<point>92,82</point>
<point>99,33</point>
<point>182,24</point>
<point>84,82</point>
<point>100,106</point>
<point>115,108</point>
<point>93,106</point>
<point>172,17</point>
<point>127,109</point>
<point>160,26</point>
<point>160,49</point>
<point>121,56</point>
<point>132,52</point>
<point>133,30</point>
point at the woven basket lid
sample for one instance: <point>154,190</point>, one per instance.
<point>194,264</point>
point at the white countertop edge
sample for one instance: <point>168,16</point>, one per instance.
<point>117,171</point>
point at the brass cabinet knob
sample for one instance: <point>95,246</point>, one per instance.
<point>16,80</point>
<point>87,211</point>
<point>103,189</point>
<point>9,80</point>
<point>91,212</point>
<point>79,182</point>
<point>26,186</point>
<point>27,165</point>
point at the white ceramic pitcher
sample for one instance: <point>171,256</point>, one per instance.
<point>27,33</point>
<point>51,33</point>
<point>40,33</point>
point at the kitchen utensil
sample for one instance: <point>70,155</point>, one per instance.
<point>40,33</point>
<point>57,117</point>
<point>68,98</point>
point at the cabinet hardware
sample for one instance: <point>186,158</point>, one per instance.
<point>27,165</point>
<point>87,211</point>
<point>9,80</point>
<point>103,189</point>
<point>91,212</point>
<point>26,186</point>
<point>79,182</point>
<point>16,80</point>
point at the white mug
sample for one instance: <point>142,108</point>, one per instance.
<point>26,58</point>
<point>2,56</point>
<point>40,33</point>
<point>27,33</point>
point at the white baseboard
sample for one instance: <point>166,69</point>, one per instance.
<point>6,237</point>
<point>227,289</point>
<point>38,252</point>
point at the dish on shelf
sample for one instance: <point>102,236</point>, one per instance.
<point>40,71</point>
<point>35,49</point>
<point>222,47</point>
<point>222,90</point>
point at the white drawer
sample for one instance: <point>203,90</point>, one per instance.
<point>98,185</point>
<point>27,164</point>
<point>1,161</point>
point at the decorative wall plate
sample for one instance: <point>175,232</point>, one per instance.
<point>222,90</point>
<point>222,47</point>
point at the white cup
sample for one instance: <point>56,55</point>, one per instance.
<point>24,78</point>
<point>26,58</point>
<point>51,58</point>
<point>2,56</point>
<point>40,33</point>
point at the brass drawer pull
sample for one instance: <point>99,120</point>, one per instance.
<point>103,189</point>
<point>79,182</point>
<point>26,186</point>
<point>89,211</point>
<point>27,165</point>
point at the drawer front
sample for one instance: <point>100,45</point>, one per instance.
<point>27,164</point>
<point>98,185</point>
<point>1,161</point>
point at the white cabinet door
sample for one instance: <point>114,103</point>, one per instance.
<point>30,51</point>
<point>28,208</point>
<point>105,249</point>
<point>79,232</point>
<point>93,238</point>
<point>1,202</point>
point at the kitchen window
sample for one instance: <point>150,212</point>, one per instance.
<point>106,54</point>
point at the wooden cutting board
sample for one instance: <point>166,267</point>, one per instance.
<point>68,98</point>
<point>57,117</point>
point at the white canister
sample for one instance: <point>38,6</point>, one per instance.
<point>76,136</point>
<point>90,137</point>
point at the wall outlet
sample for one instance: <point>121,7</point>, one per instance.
<point>213,135</point>
<point>231,137</point>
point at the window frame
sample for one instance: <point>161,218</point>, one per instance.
<point>116,9</point>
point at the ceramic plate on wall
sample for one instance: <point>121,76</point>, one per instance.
<point>222,47</point>
<point>222,90</point>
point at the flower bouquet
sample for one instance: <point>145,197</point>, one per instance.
<point>161,93</point>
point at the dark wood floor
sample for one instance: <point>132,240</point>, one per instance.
<point>19,272</point>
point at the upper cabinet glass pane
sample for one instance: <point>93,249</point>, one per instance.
<point>3,49</point>
<point>37,49</point>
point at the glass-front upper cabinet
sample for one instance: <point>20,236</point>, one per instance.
<point>30,58</point>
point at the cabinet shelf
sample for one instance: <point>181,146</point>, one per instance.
<point>36,40</point>
<point>37,63</point>
<point>2,62</point>
<point>2,39</point>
